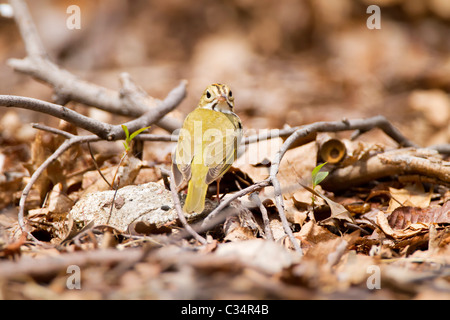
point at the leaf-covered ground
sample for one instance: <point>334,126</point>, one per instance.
<point>377,227</point>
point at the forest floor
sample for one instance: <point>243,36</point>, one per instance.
<point>377,226</point>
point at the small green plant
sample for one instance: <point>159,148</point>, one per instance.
<point>317,177</point>
<point>127,144</point>
<point>129,138</point>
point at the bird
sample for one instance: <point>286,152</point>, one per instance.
<point>207,144</point>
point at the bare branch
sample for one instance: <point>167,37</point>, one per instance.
<point>97,127</point>
<point>101,129</point>
<point>67,87</point>
<point>388,164</point>
<point>255,198</point>
<point>223,204</point>
<point>43,127</point>
<point>27,29</point>
<point>280,207</point>
<point>335,126</point>
<point>172,100</point>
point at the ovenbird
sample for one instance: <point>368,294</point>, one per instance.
<point>207,144</point>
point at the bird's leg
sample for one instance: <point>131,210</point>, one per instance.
<point>218,190</point>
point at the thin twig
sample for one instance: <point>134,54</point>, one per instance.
<point>267,230</point>
<point>280,207</point>
<point>116,187</point>
<point>225,203</point>
<point>117,171</point>
<point>270,134</point>
<point>97,167</point>
<point>43,127</point>
<point>157,137</point>
<point>61,149</point>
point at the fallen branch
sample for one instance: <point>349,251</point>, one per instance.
<point>344,125</point>
<point>388,164</point>
<point>103,130</point>
<point>410,163</point>
<point>130,101</point>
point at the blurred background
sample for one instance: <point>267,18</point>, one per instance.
<point>288,62</point>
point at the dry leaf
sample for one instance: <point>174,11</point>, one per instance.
<point>296,168</point>
<point>411,195</point>
<point>311,234</point>
<point>338,211</point>
<point>235,231</point>
<point>59,202</point>
<point>257,156</point>
<point>402,217</point>
<point>410,231</point>
<point>126,174</point>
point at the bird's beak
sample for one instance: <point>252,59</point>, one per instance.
<point>222,98</point>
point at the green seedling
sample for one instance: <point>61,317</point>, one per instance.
<point>317,177</point>
<point>129,138</point>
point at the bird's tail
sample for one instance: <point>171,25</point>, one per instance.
<point>195,200</point>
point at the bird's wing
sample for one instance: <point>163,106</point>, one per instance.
<point>182,157</point>
<point>220,154</point>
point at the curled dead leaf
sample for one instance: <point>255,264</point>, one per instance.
<point>411,230</point>
<point>403,217</point>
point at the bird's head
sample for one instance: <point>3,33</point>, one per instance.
<point>217,97</point>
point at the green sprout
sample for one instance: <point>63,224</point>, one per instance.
<point>129,138</point>
<point>317,177</point>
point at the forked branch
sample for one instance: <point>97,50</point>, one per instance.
<point>129,101</point>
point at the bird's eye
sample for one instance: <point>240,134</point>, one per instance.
<point>208,94</point>
<point>230,94</point>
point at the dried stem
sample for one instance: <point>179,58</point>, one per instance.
<point>97,167</point>
<point>268,232</point>
<point>225,203</point>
